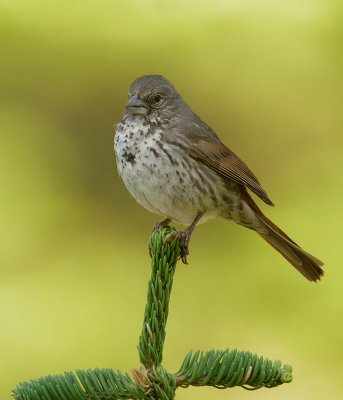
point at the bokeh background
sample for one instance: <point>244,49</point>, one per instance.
<point>267,77</point>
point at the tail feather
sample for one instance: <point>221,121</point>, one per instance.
<point>304,262</point>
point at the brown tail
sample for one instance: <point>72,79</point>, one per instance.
<point>304,262</point>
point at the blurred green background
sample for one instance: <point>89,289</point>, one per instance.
<point>267,77</point>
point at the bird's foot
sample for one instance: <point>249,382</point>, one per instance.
<point>184,237</point>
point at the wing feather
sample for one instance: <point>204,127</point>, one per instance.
<point>220,158</point>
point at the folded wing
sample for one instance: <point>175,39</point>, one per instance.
<point>220,158</point>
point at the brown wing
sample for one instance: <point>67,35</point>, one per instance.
<point>220,158</point>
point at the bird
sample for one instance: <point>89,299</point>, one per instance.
<point>176,166</point>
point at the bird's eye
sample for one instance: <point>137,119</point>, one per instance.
<point>158,98</point>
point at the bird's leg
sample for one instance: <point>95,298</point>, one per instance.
<point>185,236</point>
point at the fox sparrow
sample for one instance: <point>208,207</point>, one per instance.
<point>174,165</point>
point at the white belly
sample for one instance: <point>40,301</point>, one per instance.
<point>161,183</point>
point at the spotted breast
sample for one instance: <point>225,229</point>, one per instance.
<point>160,178</point>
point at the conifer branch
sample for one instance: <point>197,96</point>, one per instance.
<point>217,368</point>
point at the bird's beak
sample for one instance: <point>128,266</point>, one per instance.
<point>136,106</point>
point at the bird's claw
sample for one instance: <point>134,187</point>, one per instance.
<point>184,236</point>
<point>184,240</point>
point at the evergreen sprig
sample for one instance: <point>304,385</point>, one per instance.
<point>151,381</point>
<point>225,368</point>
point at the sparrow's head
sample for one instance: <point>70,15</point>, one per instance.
<point>153,96</point>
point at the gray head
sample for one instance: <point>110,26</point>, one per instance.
<point>154,97</point>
